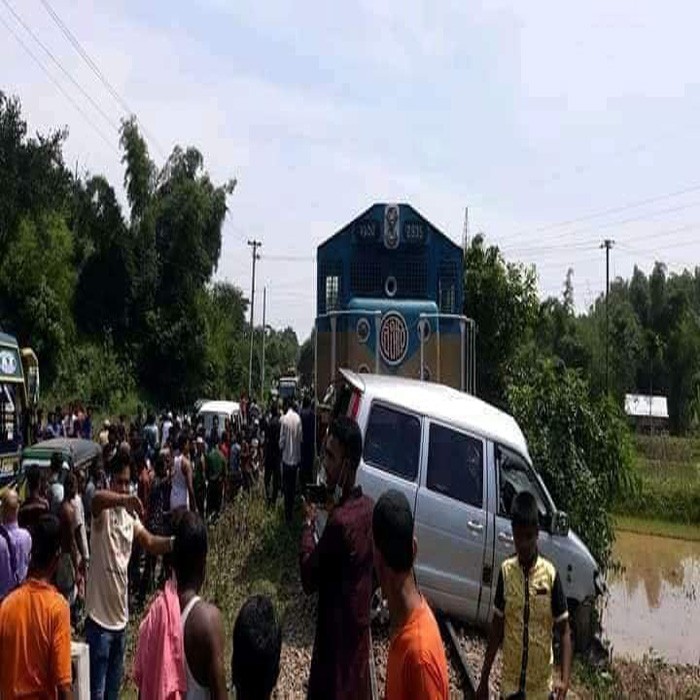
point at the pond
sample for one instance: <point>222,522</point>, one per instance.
<point>653,600</point>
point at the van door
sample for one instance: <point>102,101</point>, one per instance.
<point>391,453</point>
<point>513,475</point>
<point>451,521</point>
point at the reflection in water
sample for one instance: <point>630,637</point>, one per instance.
<point>653,601</point>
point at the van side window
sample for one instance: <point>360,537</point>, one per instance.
<point>392,441</point>
<point>516,475</point>
<point>456,465</point>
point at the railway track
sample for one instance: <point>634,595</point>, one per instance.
<point>458,659</point>
<point>459,671</point>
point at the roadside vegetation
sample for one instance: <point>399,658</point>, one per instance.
<point>120,303</point>
<point>251,550</point>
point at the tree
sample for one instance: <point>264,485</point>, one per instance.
<point>683,358</point>
<point>104,253</point>
<point>139,172</point>
<point>568,295</point>
<point>307,360</point>
<point>37,284</point>
<point>502,298</point>
<point>639,295</point>
<point>176,220</point>
<point>225,309</point>
<point>33,179</point>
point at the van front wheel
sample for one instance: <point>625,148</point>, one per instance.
<point>378,608</point>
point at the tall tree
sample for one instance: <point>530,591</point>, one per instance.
<point>176,220</point>
<point>105,256</point>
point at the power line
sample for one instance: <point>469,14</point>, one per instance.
<point>291,258</point>
<point>58,64</point>
<point>623,222</point>
<point>610,210</point>
<point>96,70</point>
<point>58,85</point>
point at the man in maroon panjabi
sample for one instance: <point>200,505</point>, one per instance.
<point>339,567</point>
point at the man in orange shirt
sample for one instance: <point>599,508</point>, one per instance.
<point>417,666</point>
<point>35,626</point>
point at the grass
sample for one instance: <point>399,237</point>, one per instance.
<point>669,485</point>
<point>251,550</point>
<point>600,684</point>
<point>667,448</point>
<point>660,528</point>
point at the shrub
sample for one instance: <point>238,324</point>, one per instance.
<point>579,445</point>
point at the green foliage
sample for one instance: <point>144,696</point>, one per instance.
<point>33,179</point>
<point>654,341</point>
<point>281,353</point>
<point>37,283</point>
<point>669,499</point>
<point>120,302</point>
<point>224,312</point>
<point>94,374</point>
<point>502,298</point>
<point>140,172</point>
<point>306,364</point>
<point>105,257</point>
<point>578,444</point>
<point>669,473</point>
<point>667,449</point>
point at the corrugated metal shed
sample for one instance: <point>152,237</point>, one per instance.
<point>641,406</point>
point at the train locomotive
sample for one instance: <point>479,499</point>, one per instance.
<point>390,300</point>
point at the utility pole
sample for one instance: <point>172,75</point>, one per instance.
<point>465,232</point>
<point>254,245</point>
<point>262,364</point>
<point>607,244</point>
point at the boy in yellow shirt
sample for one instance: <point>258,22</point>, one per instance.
<point>529,602</point>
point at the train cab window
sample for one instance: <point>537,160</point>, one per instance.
<point>392,442</point>
<point>456,465</point>
<point>332,292</point>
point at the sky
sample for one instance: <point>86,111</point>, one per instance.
<point>557,124</point>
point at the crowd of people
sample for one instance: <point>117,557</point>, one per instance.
<point>82,545</point>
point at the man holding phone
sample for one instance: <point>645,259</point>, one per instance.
<point>339,567</point>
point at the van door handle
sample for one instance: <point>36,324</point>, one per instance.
<point>505,537</point>
<point>475,526</point>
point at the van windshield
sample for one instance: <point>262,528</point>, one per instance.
<point>516,475</point>
<point>209,421</point>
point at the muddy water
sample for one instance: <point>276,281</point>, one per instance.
<point>654,601</point>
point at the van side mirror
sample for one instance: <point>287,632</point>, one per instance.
<point>560,523</point>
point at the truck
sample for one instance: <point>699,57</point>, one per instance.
<point>288,387</point>
<point>19,396</point>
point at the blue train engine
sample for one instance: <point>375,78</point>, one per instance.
<point>390,300</point>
